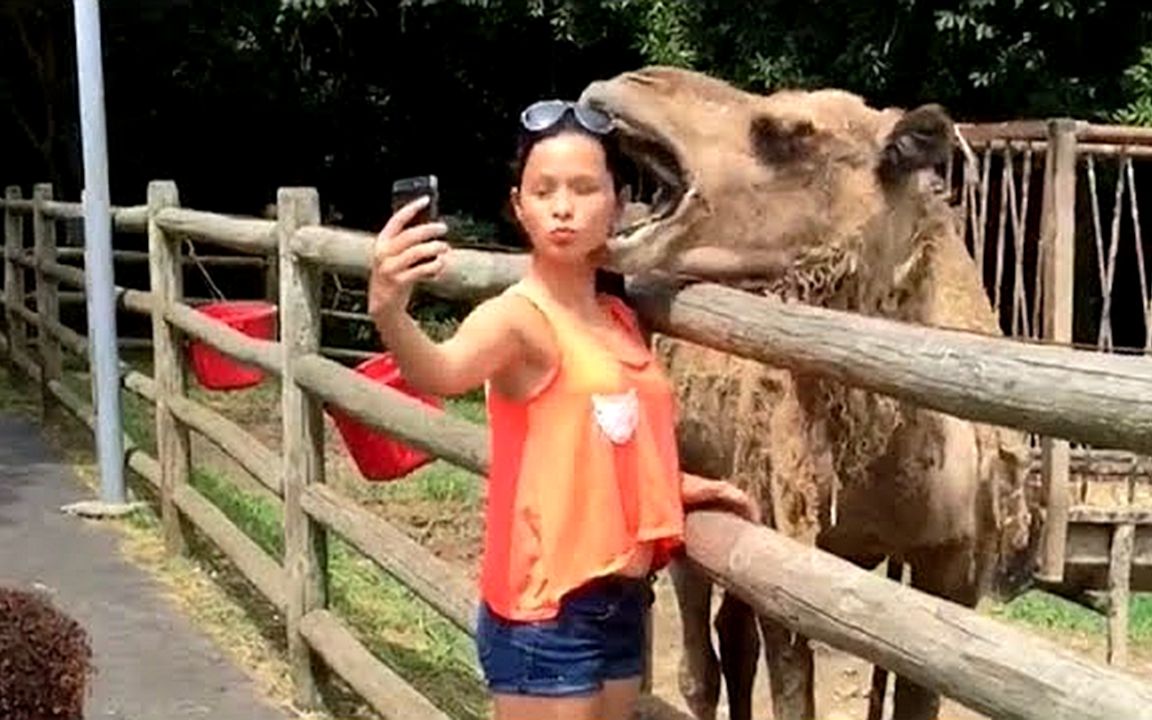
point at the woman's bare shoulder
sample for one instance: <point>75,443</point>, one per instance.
<point>539,351</point>
<point>525,318</point>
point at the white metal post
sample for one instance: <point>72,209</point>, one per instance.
<point>98,253</point>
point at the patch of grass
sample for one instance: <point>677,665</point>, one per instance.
<point>1043,610</point>
<point>259,519</point>
<point>470,407</point>
<point>428,651</point>
<point>437,482</point>
<point>442,482</point>
<point>13,398</point>
<point>425,649</point>
<point>1140,616</point>
<point>138,420</point>
<point>258,398</point>
<point>1040,609</point>
<point>216,598</point>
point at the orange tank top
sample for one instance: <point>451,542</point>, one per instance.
<point>584,472</point>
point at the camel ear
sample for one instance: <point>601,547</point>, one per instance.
<point>921,139</point>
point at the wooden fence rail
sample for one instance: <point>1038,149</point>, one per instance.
<point>1088,397</point>
<point>247,235</point>
<point>139,256</point>
<point>1024,130</point>
<point>1062,392</point>
<point>469,275</point>
<point>983,664</point>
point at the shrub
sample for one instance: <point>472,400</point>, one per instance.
<point>45,659</point>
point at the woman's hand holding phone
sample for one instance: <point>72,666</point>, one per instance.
<point>402,256</point>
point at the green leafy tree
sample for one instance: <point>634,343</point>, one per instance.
<point>1138,90</point>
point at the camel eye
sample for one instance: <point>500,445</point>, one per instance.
<point>777,142</point>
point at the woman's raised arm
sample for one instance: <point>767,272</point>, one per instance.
<point>486,341</point>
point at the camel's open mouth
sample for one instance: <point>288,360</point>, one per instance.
<point>658,181</point>
<point>663,197</point>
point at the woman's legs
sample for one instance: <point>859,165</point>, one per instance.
<point>585,664</point>
<point>524,707</point>
<point>619,699</point>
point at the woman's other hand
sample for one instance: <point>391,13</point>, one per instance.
<point>697,490</point>
<point>738,501</point>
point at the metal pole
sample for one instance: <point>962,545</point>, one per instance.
<point>98,253</point>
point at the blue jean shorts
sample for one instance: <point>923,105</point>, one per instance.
<point>598,635</point>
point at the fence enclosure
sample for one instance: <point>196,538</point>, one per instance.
<point>1051,213</point>
<point>1058,392</point>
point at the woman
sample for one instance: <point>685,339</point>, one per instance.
<point>585,497</point>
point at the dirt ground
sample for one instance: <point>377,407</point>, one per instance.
<point>453,532</point>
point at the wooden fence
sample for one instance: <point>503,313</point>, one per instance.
<point>1056,391</point>
<point>1051,213</point>
<point>262,269</point>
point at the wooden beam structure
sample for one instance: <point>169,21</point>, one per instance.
<point>249,235</point>
<point>1090,397</point>
<point>983,664</point>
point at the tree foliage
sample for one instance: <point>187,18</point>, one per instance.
<point>1138,90</point>
<point>1000,58</point>
<point>234,99</point>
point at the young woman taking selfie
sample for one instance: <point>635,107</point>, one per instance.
<point>585,495</point>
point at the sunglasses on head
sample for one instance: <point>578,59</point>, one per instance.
<point>540,116</point>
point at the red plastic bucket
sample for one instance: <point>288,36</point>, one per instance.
<point>217,371</point>
<point>377,455</point>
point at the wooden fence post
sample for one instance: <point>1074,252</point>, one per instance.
<point>1058,234</point>
<point>272,279</point>
<point>167,282</point>
<point>1119,586</point>
<point>47,298</point>
<point>305,541</point>
<point>272,266</point>
<point>14,279</point>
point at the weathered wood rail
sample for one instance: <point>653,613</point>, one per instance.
<point>1057,391</point>
<point>985,665</point>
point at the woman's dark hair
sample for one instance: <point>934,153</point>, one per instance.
<point>607,282</point>
<point>47,659</point>
<point>568,124</point>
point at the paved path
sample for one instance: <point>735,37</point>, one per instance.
<point>152,664</point>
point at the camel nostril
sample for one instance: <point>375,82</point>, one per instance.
<point>641,77</point>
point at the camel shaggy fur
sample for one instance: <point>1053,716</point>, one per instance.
<point>815,197</point>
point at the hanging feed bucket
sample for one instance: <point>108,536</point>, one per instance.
<point>217,371</point>
<point>377,455</point>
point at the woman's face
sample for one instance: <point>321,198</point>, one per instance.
<point>566,201</point>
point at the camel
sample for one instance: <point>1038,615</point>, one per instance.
<point>813,196</point>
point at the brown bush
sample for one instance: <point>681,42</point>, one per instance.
<point>45,659</point>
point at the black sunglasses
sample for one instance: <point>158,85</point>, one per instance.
<point>540,116</point>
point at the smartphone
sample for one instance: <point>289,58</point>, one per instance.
<point>408,189</point>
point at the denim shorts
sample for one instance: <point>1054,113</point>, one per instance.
<point>598,635</point>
